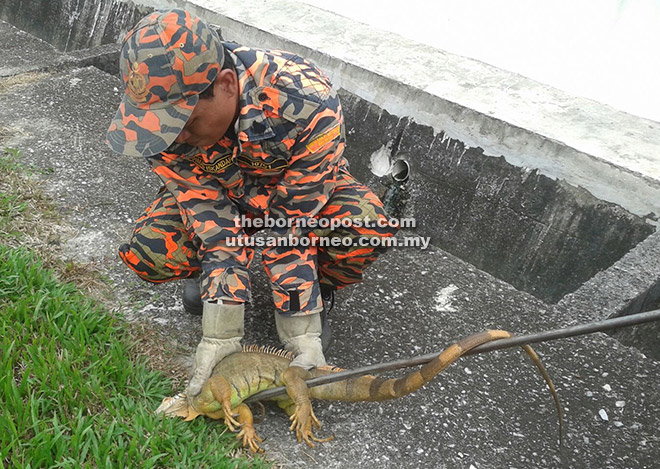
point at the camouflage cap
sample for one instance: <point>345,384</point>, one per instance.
<point>166,60</point>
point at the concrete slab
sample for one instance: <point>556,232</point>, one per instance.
<point>70,26</point>
<point>23,52</point>
<point>605,53</point>
<point>487,411</point>
<point>631,285</point>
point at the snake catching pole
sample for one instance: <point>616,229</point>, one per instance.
<point>572,331</point>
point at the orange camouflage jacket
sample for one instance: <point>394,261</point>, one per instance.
<point>282,163</point>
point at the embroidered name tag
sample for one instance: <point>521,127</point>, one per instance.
<point>260,164</point>
<point>321,140</point>
<point>215,167</point>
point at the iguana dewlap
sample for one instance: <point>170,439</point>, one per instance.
<point>255,369</point>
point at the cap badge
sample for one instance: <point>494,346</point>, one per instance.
<point>136,86</point>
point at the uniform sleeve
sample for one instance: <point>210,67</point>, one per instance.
<point>309,180</point>
<point>208,216</point>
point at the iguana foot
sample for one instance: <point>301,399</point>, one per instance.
<point>248,435</point>
<point>303,422</point>
<point>250,439</point>
<point>230,421</point>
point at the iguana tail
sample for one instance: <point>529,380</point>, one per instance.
<point>371,388</point>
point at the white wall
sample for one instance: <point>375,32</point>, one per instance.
<point>606,50</point>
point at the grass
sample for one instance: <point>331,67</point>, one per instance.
<point>72,391</point>
<point>27,217</point>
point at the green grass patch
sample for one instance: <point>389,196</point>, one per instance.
<point>11,204</point>
<point>71,393</point>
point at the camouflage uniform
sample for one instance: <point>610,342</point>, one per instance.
<point>285,161</point>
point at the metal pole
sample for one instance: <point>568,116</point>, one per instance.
<point>582,329</point>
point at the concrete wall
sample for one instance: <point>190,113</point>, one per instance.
<point>541,235</point>
<point>73,24</point>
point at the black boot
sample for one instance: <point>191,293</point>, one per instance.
<point>328,297</point>
<point>192,298</point>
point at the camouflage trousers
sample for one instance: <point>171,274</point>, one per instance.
<point>162,249</point>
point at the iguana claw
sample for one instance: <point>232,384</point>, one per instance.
<point>230,421</point>
<point>250,439</point>
<point>303,421</point>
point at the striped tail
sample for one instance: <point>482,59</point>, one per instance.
<point>371,388</point>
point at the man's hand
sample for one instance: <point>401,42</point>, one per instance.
<point>209,353</point>
<point>308,350</point>
<point>222,329</point>
<point>301,335</point>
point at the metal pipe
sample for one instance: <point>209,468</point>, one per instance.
<point>572,331</point>
<point>400,171</point>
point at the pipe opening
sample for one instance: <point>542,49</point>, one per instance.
<point>400,170</point>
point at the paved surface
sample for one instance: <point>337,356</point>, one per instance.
<point>485,412</point>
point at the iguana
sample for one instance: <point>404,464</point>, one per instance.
<point>243,374</point>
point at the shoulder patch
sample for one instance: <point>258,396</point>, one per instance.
<point>322,139</point>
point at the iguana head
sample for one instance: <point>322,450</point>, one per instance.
<point>177,406</point>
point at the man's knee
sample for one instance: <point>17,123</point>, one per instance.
<point>158,256</point>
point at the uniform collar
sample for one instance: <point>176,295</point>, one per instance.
<point>251,124</point>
